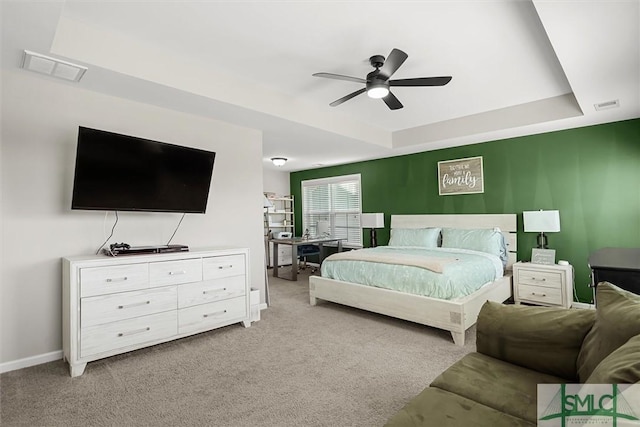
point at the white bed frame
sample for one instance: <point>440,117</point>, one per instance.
<point>456,315</point>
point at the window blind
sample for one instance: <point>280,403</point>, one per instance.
<point>337,201</point>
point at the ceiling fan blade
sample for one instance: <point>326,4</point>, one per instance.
<point>395,59</point>
<point>421,81</point>
<point>348,97</point>
<point>392,102</point>
<point>340,77</point>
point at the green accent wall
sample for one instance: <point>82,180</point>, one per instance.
<point>590,174</point>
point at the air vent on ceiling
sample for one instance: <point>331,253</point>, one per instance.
<point>51,66</point>
<point>606,105</point>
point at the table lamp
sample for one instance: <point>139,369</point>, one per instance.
<point>372,221</point>
<point>541,222</point>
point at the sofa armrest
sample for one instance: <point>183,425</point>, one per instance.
<point>543,339</point>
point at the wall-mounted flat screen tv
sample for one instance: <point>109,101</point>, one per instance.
<point>117,172</point>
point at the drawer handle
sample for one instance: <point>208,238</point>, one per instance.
<point>136,331</point>
<point>175,273</point>
<point>210,291</point>
<point>217,313</point>
<point>539,280</point>
<point>221,267</point>
<point>117,279</point>
<point>540,295</point>
<point>136,304</point>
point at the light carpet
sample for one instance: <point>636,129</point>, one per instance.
<point>327,365</point>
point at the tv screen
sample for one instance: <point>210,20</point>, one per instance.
<point>124,173</point>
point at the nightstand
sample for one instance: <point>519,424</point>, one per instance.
<point>543,284</point>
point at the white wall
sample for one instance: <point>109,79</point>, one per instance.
<point>40,118</point>
<point>276,182</point>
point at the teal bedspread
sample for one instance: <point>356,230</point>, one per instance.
<point>469,271</point>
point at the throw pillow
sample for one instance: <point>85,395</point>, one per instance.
<point>617,320</point>
<point>544,339</point>
<point>620,367</point>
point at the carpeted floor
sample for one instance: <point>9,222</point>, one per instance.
<point>299,365</point>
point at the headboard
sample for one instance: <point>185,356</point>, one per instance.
<point>506,222</point>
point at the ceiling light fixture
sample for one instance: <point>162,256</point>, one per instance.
<point>279,161</point>
<point>52,67</point>
<point>377,89</point>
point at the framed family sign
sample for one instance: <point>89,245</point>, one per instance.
<point>543,256</point>
<point>461,176</point>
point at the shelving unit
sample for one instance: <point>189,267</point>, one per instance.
<point>277,219</point>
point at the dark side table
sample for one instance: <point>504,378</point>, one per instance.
<point>620,266</point>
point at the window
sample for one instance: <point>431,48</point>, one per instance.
<point>333,204</point>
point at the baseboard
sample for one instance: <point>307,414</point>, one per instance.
<point>582,305</point>
<point>14,365</point>
<point>30,361</point>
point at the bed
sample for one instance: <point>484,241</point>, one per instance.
<point>455,315</point>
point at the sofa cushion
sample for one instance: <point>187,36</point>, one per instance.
<point>617,320</point>
<point>437,408</point>
<point>544,339</point>
<point>620,367</point>
<point>499,385</point>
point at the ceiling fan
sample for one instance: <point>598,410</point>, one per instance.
<point>377,82</point>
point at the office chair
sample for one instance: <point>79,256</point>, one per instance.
<point>305,251</point>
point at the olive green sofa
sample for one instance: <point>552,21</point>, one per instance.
<point>520,347</point>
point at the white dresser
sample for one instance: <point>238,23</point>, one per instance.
<point>112,305</point>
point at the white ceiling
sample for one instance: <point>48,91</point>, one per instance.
<point>519,67</point>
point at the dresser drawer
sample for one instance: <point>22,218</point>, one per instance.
<point>175,272</point>
<point>112,279</point>
<point>223,266</point>
<point>545,295</point>
<point>211,290</point>
<point>126,305</point>
<point>126,333</point>
<point>206,316</point>
<point>539,278</point>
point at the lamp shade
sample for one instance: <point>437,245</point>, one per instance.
<point>541,221</point>
<point>372,220</point>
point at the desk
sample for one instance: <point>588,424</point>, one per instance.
<point>294,243</point>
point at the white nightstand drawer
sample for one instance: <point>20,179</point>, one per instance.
<point>540,278</point>
<point>175,272</point>
<point>211,290</point>
<point>201,317</point>
<point>223,266</point>
<point>112,279</point>
<point>540,294</point>
<point>126,305</point>
<point>130,332</point>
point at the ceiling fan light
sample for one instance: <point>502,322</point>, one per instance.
<point>279,161</point>
<point>378,92</point>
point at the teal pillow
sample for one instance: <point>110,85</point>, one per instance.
<point>421,237</point>
<point>489,240</point>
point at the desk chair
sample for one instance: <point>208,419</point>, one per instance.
<point>305,251</point>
